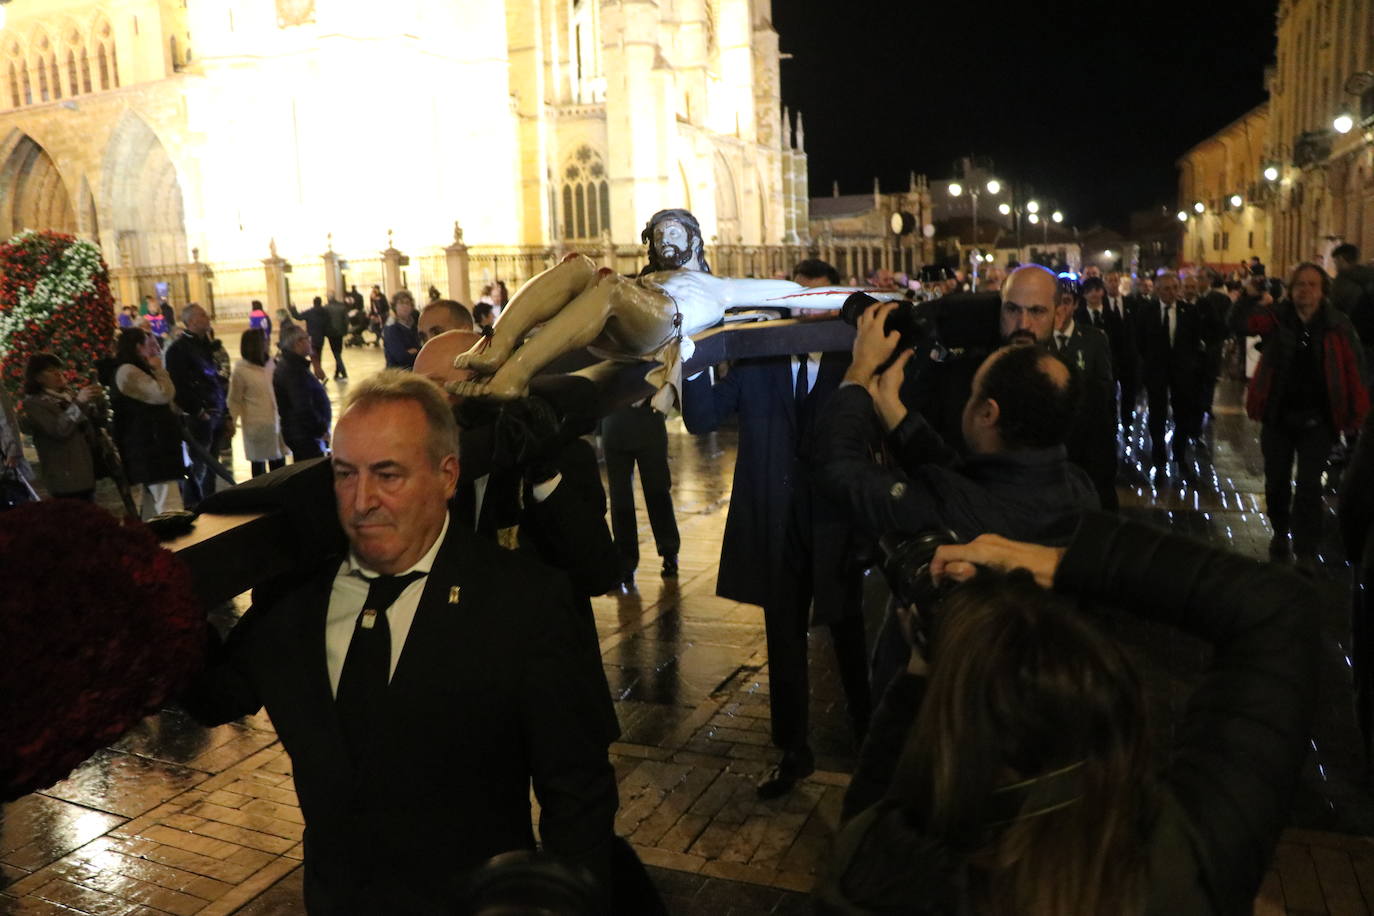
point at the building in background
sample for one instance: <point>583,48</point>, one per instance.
<point>223,151</point>
<point>1222,196</point>
<point>861,233</point>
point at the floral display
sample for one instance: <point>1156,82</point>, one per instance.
<point>99,625</point>
<point>54,296</point>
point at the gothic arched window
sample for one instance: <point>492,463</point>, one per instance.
<point>586,196</point>
<point>14,85</point>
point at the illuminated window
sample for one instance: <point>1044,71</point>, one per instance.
<point>14,86</point>
<point>71,73</point>
<point>85,71</point>
<point>586,196</point>
<point>104,64</point>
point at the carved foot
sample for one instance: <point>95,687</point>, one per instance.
<point>486,389</point>
<point>485,363</point>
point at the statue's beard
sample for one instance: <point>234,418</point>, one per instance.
<point>671,257</point>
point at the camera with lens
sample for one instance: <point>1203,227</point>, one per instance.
<point>912,320</point>
<point>960,323</point>
<point>905,565</point>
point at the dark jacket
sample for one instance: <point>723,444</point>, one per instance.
<point>338,318</point>
<point>1342,363</point>
<point>398,339</point>
<point>1120,333</point>
<point>1019,494</point>
<point>775,490</point>
<point>62,435</point>
<point>1225,796</point>
<point>316,320</point>
<point>1178,366</point>
<point>499,685</point>
<point>301,400</point>
<point>192,366</point>
<point>149,438</point>
<point>1092,438</point>
<point>1352,291</point>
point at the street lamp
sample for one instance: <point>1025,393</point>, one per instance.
<point>1004,209</point>
<point>994,186</point>
<point>1199,208</point>
<point>1271,173</point>
<point>1033,208</point>
<point>955,189</point>
<point>1034,217</point>
<point>1237,200</point>
<point>1182,216</point>
<point>1057,216</point>
<point>1344,123</point>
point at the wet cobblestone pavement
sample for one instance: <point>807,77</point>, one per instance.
<point>179,819</point>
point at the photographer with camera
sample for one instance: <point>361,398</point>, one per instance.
<point>1014,774</point>
<point>1016,481</point>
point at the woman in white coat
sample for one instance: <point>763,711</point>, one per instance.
<point>253,404</point>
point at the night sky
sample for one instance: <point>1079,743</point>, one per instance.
<point>1088,103</point>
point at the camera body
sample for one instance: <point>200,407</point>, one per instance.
<point>958,323</point>
<point>905,565</point>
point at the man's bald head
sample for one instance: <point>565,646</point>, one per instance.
<point>1028,301</point>
<point>443,315</point>
<point>1023,397</point>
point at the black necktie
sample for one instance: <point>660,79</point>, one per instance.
<point>800,393</point>
<point>1097,318</point>
<point>1063,340</point>
<point>1165,312</point>
<point>367,666</point>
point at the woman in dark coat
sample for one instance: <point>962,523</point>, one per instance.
<point>400,341</point>
<point>1014,775</point>
<point>146,429</point>
<point>302,402</point>
<point>1307,390</point>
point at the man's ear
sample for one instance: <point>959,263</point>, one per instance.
<point>448,469</point>
<point>988,413</point>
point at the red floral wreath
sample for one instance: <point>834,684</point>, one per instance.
<point>79,333</point>
<point>99,626</point>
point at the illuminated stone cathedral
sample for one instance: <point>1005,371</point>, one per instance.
<point>202,142</point>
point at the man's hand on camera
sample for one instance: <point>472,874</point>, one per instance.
<point>872,346</point>
<point>957,562</point>
<point>886,390</point>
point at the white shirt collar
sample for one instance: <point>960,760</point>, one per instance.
<point>1068,330</point>
<point>423,565</point>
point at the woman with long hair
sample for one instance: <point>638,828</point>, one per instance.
<point>145,427</point>
<point>1013,776</point>
<point>253,404</point>
<point>63,420</point>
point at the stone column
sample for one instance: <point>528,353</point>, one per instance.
<point>276,268</point>
<point>459,277</point>
<point>333,280</point>
<point>607,250</point>
<point>198,282</point>
<point>392,262</point>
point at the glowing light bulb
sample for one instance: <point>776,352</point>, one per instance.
<point>1057,216</point>
<point>1004,209</point>
<point>1182,217</point>
<point>994,186</point>
<point>1033,207</point>
<point>1271,173</point>
<point>955,189</point>
<point>1237,200</point>
<point>1198,207</point>
<point>1343,124</point>
<point>1034,218</point>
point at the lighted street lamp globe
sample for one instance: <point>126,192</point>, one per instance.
<point>1271,173</point>
<point>1237,200</point>
<point>1004,209</point>
<point>1343,123</point>
<point>1107,253</point>
<point>955,189</point>
<point>989,257</point>
<point>1198,207</point>
<point>994,186</point>
<point>1033,207</point>
<point>1182,216</point>
<point>1034,218</point>
<point>1057,216</point>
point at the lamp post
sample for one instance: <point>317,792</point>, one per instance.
<point>956,189</point>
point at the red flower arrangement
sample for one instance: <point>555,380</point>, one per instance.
<point>79,332</point>
<point>99,626</point>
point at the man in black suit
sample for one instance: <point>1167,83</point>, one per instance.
<point>1213,308</point>
<point>785,542</point>
<point>1172,356</point>
<point>421,681</point>
<point>1106,309</point>
<point>632,436</point>
<point>1081,341</point>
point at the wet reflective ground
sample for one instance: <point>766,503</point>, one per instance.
<point>175,818</point>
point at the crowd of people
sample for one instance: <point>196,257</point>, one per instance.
<point>1004,765</point>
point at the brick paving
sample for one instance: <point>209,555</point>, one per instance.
<point>179,819</point>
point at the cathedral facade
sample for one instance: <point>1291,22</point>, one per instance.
<point>214,148</point>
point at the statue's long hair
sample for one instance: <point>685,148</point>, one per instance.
<point>693,233</point>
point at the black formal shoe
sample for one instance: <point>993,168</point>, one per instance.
<point>791,769</point>
<point>670,566</point>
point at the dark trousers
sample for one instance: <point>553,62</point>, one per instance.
<point>1129,392</point>
<point>786,623</point>
<point>336,347</point>
<point>1187,421</point>
<point>262,467</point>
<point>305,449</point>
<point>650,452</point>
<point>1296,509</point>
<point>199,480</point>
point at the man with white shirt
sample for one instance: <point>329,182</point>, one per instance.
<point>1172,363</point>
<point>422,681</point>
<point>1109,315</point>
<point>785,543</point>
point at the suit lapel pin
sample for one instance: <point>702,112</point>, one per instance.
<point>454,593</point>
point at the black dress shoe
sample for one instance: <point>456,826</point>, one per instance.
<point>791,769</point>
<point>670,566</point>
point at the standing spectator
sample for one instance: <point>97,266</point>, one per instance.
<point>400,340</point>
<point>335,331</point>
<point>1352,291</point>
<point>193,363</point>
<point>442,315</point>
<point>259,319</point>
<point>63,421</point>
<point>379,306</point>
<point>637,435</point>
<point>253,403</point>
<point>128,315</point>
<point>1085,349</point>
<point>145,428</point>
<point>301,400</point>
<point>316,321</point>
<point>1307,390</point>
<point>1172,354</point>
<point>145,307</point>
